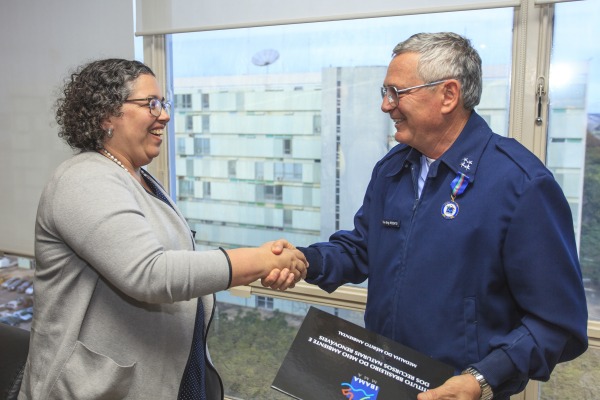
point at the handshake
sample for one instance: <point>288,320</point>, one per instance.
<point>286,277</point>
<point>278,264</point>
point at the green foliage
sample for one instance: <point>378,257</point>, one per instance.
<point>577,379</point>
<point>247,347</point>
<point>590,219</point>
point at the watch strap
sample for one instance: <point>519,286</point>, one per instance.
<point>486,389</point>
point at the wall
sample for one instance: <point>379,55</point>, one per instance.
<point>40,42</point>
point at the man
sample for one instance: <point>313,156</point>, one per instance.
<point>465,237</point>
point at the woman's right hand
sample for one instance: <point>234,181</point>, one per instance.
<point>291,265</point>
<point>281,279</point>
<point>281,271</point>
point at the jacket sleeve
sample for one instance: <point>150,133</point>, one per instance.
<point>343,259</point>
<point>544,276</point>
<point>98,217</point>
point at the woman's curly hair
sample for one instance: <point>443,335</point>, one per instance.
<point>95,92</point>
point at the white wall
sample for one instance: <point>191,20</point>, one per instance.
<point>40,42</point>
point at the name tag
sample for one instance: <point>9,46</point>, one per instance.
<point>391,224</point>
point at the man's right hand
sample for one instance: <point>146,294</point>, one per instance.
<point>281,279</point>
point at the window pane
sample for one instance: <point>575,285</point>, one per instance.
<point>298,107</point>
<point>250,337</point>
<point>287,128</point>
<point>573,155</point>
<point>573,152</point>
<point>578,379</point>
<point>16,290</point>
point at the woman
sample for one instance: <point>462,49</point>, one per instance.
<point>118,283</point>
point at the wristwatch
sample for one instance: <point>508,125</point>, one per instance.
<point>486,389</point>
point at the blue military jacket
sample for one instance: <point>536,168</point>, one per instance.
<point>494,283</point>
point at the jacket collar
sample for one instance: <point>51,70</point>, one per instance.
<point>464,154</point>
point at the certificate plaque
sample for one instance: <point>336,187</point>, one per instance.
<point>332,358</point>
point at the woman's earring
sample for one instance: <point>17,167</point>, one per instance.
<point>109,132</point>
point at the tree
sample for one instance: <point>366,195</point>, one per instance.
<point>590,219</point>
<point>247,346</point>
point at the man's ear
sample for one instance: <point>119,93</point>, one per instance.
<point>451,96</point>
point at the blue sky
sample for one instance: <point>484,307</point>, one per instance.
<point>311,47</point>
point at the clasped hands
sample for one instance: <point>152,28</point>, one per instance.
<point>291,267</point>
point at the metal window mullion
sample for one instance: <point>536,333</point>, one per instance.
<point>532,30</point>
<point>155,56</point>
<point>594,334</point>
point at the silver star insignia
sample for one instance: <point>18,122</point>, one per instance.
<point>466,163</point>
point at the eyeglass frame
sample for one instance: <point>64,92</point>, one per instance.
<point>164,105</point>
<point>386,94</point>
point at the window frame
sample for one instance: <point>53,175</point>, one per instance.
<point>533,27</point>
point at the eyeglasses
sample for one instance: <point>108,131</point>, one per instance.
<point>393,95</point>
<point>154,104</point>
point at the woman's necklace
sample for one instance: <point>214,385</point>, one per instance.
<point>110,156</point>
<point>120,164</point>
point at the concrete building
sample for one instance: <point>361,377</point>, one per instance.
<point>266,156</point>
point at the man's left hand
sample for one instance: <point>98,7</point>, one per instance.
<point>460,387</point>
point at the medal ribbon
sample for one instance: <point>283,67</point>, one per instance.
<point>459,184</point>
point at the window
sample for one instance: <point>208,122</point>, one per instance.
<point>293,142</point>
<point>206,190</point>
<point>573,152</point>
<point>206,123</point>
<point>577,379</point>
<point>264,302</point>
<point>312,96</point>
<point>573,155</point>
<point>317,124</point>
<point>181,146</point>
<point>186,187</point>
<point>273,193</point>
<point>259,171</point>
<point>183,101</point>
<point>201,146</point>
<point>288,172</point>
<point>189,123</point>
<point>266,323</point>
<point>232,168</point>
<point>288,218</point>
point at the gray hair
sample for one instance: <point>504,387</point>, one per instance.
<point>446,55</point>
<point>93,93</point>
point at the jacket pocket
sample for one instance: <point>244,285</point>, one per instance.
<point>89,375</point>
<point>471,354</point>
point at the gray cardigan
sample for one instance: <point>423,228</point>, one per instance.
<point>116,283</point>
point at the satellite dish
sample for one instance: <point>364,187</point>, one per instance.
<point>265,57</point>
